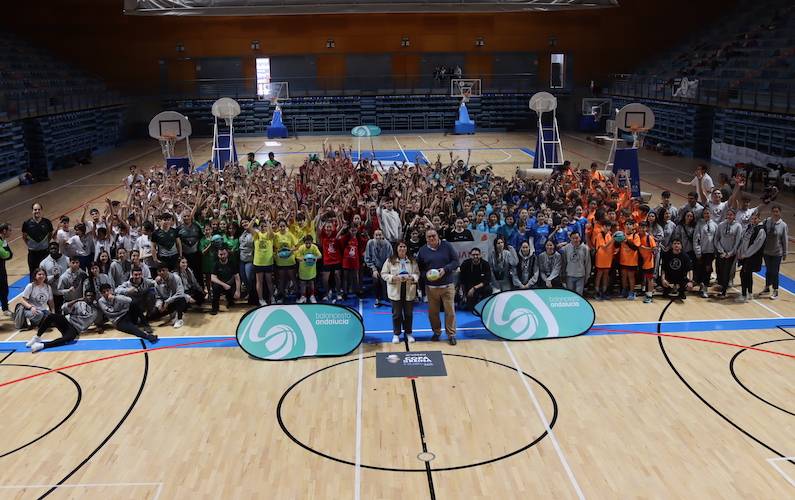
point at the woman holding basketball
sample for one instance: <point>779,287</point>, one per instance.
<point>401,274</point>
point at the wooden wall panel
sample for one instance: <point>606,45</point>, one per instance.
<point>125,50</point>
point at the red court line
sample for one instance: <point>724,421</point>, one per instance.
<point>130,353</point>
<point>698,339</point>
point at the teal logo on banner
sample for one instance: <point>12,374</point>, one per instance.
<point>365,131</point>
<point>537,314</point>
<point>279,332</point>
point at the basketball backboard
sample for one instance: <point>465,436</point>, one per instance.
<point>273,91</point>
<point>465,87</point>
<point>635,117</point>
<point>169,123</point>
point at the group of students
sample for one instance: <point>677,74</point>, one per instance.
<point>331,227</point>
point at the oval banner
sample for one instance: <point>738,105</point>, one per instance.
<point>537,314</point>
<point>365,131</point>
<point>280,332</point>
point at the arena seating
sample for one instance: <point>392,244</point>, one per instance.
<point>772,135</point>
<point>59,141</point>
<point>13,155</point>
<point>745,59</point>
<point>35,83</point>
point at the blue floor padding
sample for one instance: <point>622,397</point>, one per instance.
<point>389,155</point>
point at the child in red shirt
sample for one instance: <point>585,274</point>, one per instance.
<point>352,244</point>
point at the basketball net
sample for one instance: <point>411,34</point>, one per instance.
<point>466,93</point>
<point>638,134</point>
<point>167,144</point>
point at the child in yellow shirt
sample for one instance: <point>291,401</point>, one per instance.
<point>307,256</point>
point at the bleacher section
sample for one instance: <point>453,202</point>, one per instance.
<point>34,83</point>
<point>13,155</point>
<point>339,114</point>
<point>59,141</point>
<point>772,135</point>
<point>745,59</point>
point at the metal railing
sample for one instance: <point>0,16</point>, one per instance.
<point>17,107</point>
<point>350,85</point>
<point>776,96</point>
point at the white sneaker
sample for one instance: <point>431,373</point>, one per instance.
<point>32,341</point>
<point>37,346</point>
<point>411,339</point>
<point>301,300</point>
<point>741,298</point>
<point>263,302</point>
<point>395,339</point>
<point>8,313</point>
<point>312,299</point>
<point>774,295</point>
<point>179,323</point>
<point>339,297</point>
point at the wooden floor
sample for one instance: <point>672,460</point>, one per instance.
<point>632,415</point>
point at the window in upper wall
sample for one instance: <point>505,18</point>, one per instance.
<point>557,71</point>
<point>263,76</point>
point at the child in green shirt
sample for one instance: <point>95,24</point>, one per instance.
<point>307,256</point>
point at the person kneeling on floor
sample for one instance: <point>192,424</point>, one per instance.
<point>171,296</point>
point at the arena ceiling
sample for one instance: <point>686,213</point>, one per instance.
<point>281,7</point>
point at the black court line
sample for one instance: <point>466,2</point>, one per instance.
<point>786,331</point>
<point>12,351</point>
<point>423,442</point>
<point>701,398</point>
<point>308,448</point>
<point>78,399</point>
<point>749,391</point>
<point>112,432</point>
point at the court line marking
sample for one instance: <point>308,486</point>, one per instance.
<point>756,301</point>
<point>507,158</point>
<point>357,474</point>
<point>85,485</point>
<point>699,339</point>
<point>423,139</point>
<point>405,158</point>
<point>596,327</point>
<point>772,461</point>
<point>544,421</point>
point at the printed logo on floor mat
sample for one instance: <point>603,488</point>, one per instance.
<point>279,332</point>
<point>537,314</point>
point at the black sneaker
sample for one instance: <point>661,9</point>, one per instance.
<point>214,312</point>
<point>452,340</point>
<point>147,328</point>
<point>152,339</point>
<point>682,296</point>
<point>435,337</point>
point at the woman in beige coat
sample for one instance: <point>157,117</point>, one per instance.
<point>401,274</point>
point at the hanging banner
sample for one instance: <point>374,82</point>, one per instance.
<point>279,332</point>
<point>483,241</point>
<point>537,314</point>
<point>625,167</point>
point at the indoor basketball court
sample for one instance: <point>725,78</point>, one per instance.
<point>666,399</point>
